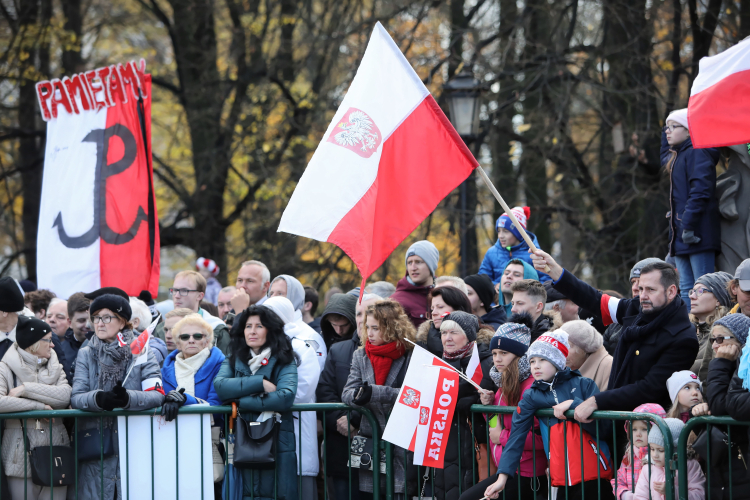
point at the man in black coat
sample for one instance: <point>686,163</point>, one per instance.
<point>657,338</point>
<point>331,384</point>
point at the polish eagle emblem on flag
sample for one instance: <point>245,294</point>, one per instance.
<point>357,132</point>
<point>424,415</point>
<point>410,397</point>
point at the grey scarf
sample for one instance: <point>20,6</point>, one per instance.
<point>112,358</point>
<point>524,372</point>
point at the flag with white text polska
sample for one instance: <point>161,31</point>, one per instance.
<point>390,155</point>
<point>421,418</point>
<point>98,224</point>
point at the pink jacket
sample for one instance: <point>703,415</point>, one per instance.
<point>696,482</point>
<point>527,457</point>
<point>623,481</point>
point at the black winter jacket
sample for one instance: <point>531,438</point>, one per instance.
<point>344,305</point>
<point>447,478</point>
<point>693,202</point>
<point>727,397</point>
<point>640,368</point>
<point>330,386</point>
<point>494,317</point>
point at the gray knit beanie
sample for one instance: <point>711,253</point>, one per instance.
<point>737,323</point>
<point>467,322</point>
<point>582,334</point>
<point>717,285</point>
<point>426,251</point>
<point>552,346</point>
<point>675,426</point>
<point>636,271</point>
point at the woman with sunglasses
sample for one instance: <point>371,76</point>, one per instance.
<point>106,377</point>
<point>709,301</point>
<point>31,378</point>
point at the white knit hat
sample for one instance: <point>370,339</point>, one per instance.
<point>680,116</point>
<point>675,428</point>
<point>678,380</point>
<point>552,346</point>
<point>582,334</point>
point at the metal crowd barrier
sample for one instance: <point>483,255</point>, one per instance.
<point>676,459</point>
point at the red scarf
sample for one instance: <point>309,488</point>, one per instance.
<point>381,357</point>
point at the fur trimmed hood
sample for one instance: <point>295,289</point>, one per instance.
<point>484,334</point>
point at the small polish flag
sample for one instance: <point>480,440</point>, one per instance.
<point>390,155</point>
<point>719,106</point>
<point>474,369</point>
<point>140,346</point>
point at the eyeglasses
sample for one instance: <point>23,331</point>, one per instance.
<point>186,336</point>
<point>49,340</point>
<point>697,293</point>
<point>104,319</point>
<point>671,128</point>
<point>720,340</point>
<point>182,292</point>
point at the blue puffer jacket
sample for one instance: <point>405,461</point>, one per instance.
<point>204,378</point>
<point>565,385</point>
<point>497,258</point>
<point>693,202</point>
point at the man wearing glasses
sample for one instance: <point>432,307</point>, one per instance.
<point>187,291</point>
<point>694,238</point>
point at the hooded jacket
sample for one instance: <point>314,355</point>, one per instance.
<point>529,273</point>
<point>344,305</point>
<point>413,299</point>
<point>692,197</point>
<point>494,317</point>
<point>497,257</point>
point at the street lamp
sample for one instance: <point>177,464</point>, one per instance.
<point>462,92</point>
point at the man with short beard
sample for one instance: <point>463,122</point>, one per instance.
<point>657,338</point>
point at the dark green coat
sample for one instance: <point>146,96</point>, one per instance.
<point>239,384</point>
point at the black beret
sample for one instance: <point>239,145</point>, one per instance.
<point>552,294</point>
<point>30,330</point>
<point>113,290</point>
<point>114,303</point>
<point>11,298</point>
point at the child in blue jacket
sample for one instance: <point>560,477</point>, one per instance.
<point>561,389</point>
<point>510,245</point>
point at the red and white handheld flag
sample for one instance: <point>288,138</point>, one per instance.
<point>421,418</point>
<point>139,347</point>
<point>474,368</point>
<point>390,155</point>
<point>97,219</point>
<point>719,106</point>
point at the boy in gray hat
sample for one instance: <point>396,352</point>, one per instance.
<point>411,291</point>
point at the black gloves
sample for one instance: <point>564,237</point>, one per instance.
<point>363,394</point>
<point>172,403</point>
<point>116,398</point>
<point>690,238</point>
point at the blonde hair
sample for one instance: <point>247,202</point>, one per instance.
<point>180,312</point>
<point>394,324</point>
<point>200,281</point>
<point>717,314</point>
<point>192,320</point>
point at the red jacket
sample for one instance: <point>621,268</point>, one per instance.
<point>413,299</point>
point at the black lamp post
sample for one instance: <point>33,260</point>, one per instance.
<point>462,93</point>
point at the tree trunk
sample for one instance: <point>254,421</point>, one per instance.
<point>71,57</point>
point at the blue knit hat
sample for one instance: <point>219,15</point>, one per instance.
<point>737,323</point>
<point>512,337</point>
<point>522,216</point>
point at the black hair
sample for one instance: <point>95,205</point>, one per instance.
<point>452,296</point>
<point>311,295</point>
<point>669,276</point>
<point>522,319</point>
<point>276,339</point>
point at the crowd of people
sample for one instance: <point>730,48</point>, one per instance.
<point>545,339</point>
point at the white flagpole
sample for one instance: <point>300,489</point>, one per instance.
<point>452,368</point>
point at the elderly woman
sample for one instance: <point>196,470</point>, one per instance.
<point>726,393</point>
<point>709,301</point>
<point>261,376</point>
<point>440,301</point>
<point>377,373</point>
<point>459,333</point>
<point>107,378</point>
<point>31,378</point>
<point>587,353</point>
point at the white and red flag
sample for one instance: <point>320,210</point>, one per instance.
<point>97,220</point>
<point>719,106</point>
<point>421,418</point>
<point>474,368</point>
<point>388,158</point>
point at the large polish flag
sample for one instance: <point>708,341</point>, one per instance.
<point>719,106</point>
<point>386,160</point>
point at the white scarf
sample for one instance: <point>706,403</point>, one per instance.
<point>185,369</point>
<point>256,360</point>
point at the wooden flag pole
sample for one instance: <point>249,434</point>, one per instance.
<point>508,211</point>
